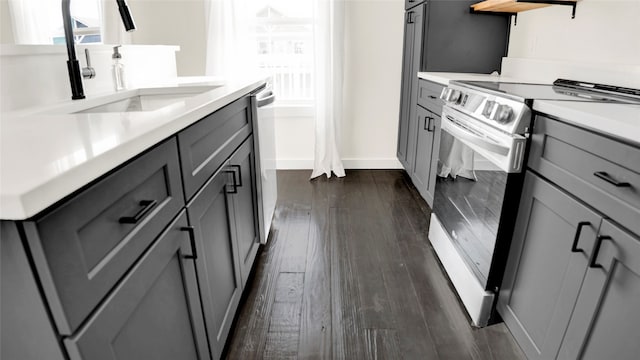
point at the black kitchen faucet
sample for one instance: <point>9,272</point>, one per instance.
<point>73,65</point>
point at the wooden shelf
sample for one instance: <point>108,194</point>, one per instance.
<point>516,6</point>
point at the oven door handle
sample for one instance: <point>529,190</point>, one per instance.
<point>465,134</point>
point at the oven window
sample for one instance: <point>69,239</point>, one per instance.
<point>470,210</point>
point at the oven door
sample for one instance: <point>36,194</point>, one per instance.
<point>474,167</point>
<point>477,191</point>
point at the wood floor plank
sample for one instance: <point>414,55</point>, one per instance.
<point>382,344</point>
<point>289,287</point>
<point>281,346</point>
<point>348,339</point>
<point>315,327</point>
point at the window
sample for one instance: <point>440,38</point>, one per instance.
<point>284,36</point>
<point>40,21</point>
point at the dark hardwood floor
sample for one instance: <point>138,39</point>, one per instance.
<point>348,273</point>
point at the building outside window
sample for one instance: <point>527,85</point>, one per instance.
<point>284,35</point>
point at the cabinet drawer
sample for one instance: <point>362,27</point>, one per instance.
<point>82,248</point>
<point>208,143</point>
<point>429,96</point>
<point>600,171</point>
<point>154,313</point>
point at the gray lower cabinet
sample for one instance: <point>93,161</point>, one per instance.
<point>212,215</point>
<point>424,170</point>
<point>124,270</point>
<point>245,207</point>
<point>410,68</point>
<point>548,258</point>
<point>571,289</point>
<point>154,313</point>
<point>605,320</point>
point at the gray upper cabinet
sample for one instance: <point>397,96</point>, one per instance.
<point>83,247</point>
<point>424,170</point>
<point>441,36</point>
<point>605,321</point>
<point>244,199</point>
<point>212,215</point>
<point>457,40</point>
<point>205,145</point>
<point>154,313</point>
<point>549,255</point>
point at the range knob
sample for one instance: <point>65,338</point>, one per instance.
<point>450,95</point>
<point>488,109</point>
<point>503,114</point>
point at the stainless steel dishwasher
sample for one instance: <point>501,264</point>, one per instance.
<point>267,156</point>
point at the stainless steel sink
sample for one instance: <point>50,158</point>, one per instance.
<point>147,99</point>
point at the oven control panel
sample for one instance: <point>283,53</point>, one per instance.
<point>503,113</point>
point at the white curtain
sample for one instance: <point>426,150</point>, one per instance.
<point>329,54</point>
<point>34,20</point>
<point>230,51</point>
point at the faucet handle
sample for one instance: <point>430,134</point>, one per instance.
<point>88,72</point>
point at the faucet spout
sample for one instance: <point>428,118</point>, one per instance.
<point>73,66</point>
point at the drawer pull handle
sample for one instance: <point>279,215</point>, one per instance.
<point>574,246</point>
<point>147,206</point>
<point>427,123</point>
<point>192,238</point>
<point>233,188</point>
<point>432,97</point>
<point>237,167</point>
<point>606,177</point>
<point>596,250</point>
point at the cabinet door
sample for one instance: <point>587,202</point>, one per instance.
<point>154,313</point>
<point>417,18</point>
<point>421,175</point>
<point>245,207</point>
<point>548,258</point>
<point>604,324</point>
<point>211,214</point>
<point>405,91</point>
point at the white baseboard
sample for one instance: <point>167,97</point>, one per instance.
<point>307,164</point>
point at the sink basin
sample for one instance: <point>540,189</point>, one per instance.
<point>148,99</point>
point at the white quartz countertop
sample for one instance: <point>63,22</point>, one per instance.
<point>445,77</point>
<point>47,153</point>
<point>621,121</point>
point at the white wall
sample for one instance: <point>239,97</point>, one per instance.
<point>373,56</point>
<point>173,22</point>
<point>6,25</point>
<point>605,31</point>
<point>373,63</point>
<point>601,44</point>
